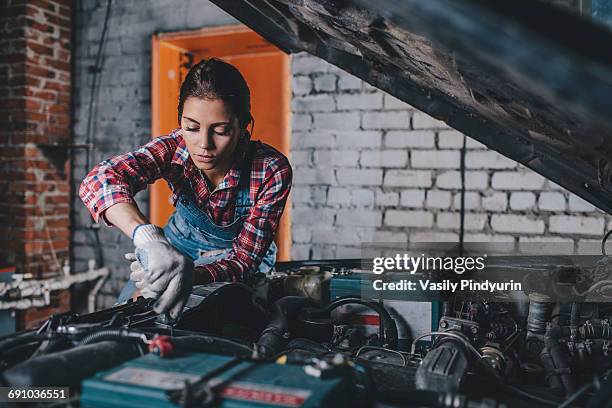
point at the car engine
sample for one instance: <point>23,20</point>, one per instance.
<point>303,336</point>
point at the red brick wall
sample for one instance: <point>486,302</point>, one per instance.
<point>35,43</point>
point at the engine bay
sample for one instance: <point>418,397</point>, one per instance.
<point>304,336</point>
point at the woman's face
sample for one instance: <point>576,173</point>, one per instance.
<point>211,133</point>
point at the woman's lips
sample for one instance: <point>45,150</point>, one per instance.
<point>204,158</point>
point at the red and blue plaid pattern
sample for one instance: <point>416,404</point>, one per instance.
<point>118,179</point>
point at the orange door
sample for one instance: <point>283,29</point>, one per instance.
<point>267,72</point>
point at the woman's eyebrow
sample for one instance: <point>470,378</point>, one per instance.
<point>219,124</point>
<point>194,121</point>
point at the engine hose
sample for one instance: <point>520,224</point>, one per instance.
<point>555,363</point>
<point>274,335</point>
<point>212,344</point>
<point>69,368</point>
<point>390,334</point>
<point>540,306</point>
<point>111,334</point>
<point>8,344</point>
<point>574,314</point>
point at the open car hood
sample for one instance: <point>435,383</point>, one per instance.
<point>526,79</point>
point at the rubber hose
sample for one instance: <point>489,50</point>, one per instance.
<point>283,310</point>
<point>390,328</point>
<point>212,344</point>
<point>69,367</point>
<point>8,344</point>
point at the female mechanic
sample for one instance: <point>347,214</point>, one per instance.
<point>229,193</point>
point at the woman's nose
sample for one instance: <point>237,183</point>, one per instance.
<point>206,141</point>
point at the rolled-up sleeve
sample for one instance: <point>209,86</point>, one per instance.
<point>118,179</point>
<point>252,243</point>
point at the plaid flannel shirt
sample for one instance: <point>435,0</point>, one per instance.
<point>119,178</point>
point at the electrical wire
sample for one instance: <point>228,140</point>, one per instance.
<point>462,209</point>
<point>531,396</point>
<point>595,383</point>
<point>90,137</point>
<point>603,242</point>
<point>447,334</point>
<point>576,395</point>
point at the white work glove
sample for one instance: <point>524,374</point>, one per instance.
<point>137,275</point>
<point>163,272</point>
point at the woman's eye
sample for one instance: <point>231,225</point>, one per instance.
<point>192,129</point>
<point>223,130</point>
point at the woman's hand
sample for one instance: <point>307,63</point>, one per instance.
<point>161,271</point>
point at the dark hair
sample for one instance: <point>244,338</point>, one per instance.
<point>215,79</point>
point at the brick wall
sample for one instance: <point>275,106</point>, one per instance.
<point>368,167</point>
<point>35,43</point>
<point>35,39</point>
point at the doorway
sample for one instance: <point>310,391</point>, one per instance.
<point>268,74</point>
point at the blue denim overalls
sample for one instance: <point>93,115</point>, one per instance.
<point>191,231</point>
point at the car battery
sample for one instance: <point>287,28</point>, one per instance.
<point>414,313</point>
<point>144,382</point>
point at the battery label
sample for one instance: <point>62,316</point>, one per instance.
<point>281,396</point>
<point>165,380</point>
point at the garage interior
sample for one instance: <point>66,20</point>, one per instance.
<point>405,122</point>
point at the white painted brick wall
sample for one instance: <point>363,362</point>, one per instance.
<point>386,120</point>
<point>434,159</point>
<point>384,158</point>
<point>422,219</point>
<point>387,198</point>
<point>301,85</point>
<point>392,103</point>
<point>516,223</point>
<point>412,198</point>
<point>410,139</point>
<point>487,160</point>
<point>313,103</point>
<point>447,220</point>
<point>497,202</point>
<point>408,178</point>
<point>325,83</point>
<point>362,197</point>
<point>472,201</point>
<point>336,120</point>
<point>359,177</point>
<point>572,224</point>
<point>552,201</point>
<point>450,139</point>
<point>370,168</point>
<point>522,201</point>
<point>422,120</point>
<point>335,158</point>
<point>338,196</point>
<point>474,180</point>
<point>371,101</point>
<point>579,205</point>
<point>359,139</point>
<point>360,218</point>
<point>438,199</point>
<point>510,180</point>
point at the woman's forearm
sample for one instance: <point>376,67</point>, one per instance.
<point>126,217</point>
